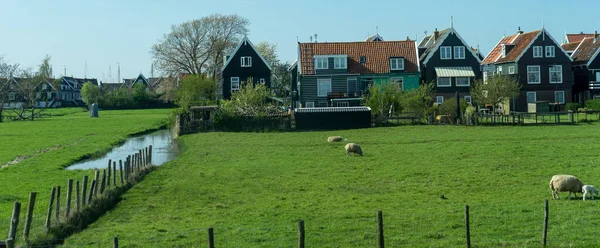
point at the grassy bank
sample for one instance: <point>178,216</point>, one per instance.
<point>254,187</point>
<point>43,148</point>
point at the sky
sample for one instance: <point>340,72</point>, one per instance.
<point>109,33</point>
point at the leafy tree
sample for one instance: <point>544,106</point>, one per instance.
<point>449,107</point>
<point>281,79</point>
<point>90,93</point>
<point>381,98</point>
<point>417,100</point>
<point>250,100</point>
<point>140,95</point>
<point>195,90</point>
<point>495,90</point>
<point>269,52</point>
<point>45,68</point>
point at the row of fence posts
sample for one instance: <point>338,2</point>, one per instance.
<point>380,236</point>
<point>133,165</point>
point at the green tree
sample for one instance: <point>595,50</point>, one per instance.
<point>448,107</point>
<point>140,95</point>
<point>495,90</point>
<point>268,52</point>
<point>250,100</point>
<point>417,100</point>
<point>90,93</point>
<point>195,90</point>
<point>381,98</point>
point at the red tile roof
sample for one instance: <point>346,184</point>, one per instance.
<point>377,55</point>
<point>578,37</point>
<point>586,50</point>
<point>520,42</point>
<point>570,46</point>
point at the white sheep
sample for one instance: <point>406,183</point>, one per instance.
<point>565,183</point>
<point>353,148</point>
<point>335,139</point>
<point>589,189</point>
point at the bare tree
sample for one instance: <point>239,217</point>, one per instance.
<point>495,90</point>
<point>32,88</point>
<point>6,71</point>
<point>198,46</point>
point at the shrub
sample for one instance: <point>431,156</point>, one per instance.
<point>573,106</point>
<point>592,104</point>
<point>449,107</point>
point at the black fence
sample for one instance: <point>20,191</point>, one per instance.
<point>332,118</point>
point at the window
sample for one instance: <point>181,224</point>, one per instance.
<point>310,104</point>
<point>559,96</point>
<point>11,96</point>
<point>462,81</point>
<point>549,51</point>
<point>323,86</point>
<point>396,64</point>
<point>444,82</point>
<point>533,74</point>
<point>246,61</point>
<point>340,62</point>
<point>598,76</point>
<point>459,52</point>
<point>321,63</point>
<point>262,80</point>
<point>439,99</point>
<point>511,69</point>
<point>468,99</point>
<point>445,52</point>
<point>499,70</point>
<point>44,86</point>
<point>555,74</point>
<point>485,77</point>
<point>235,83</point>
<point>397,82</point>
<point>531,97</point>
<point>503,51</point>
<point>363,59</point>
<point>49,95</point>
<point>537,52</point>
<point>351,85</point>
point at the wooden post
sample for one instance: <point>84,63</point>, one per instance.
<point>150,153</point>
<point>544,235</point>
<point>97,179</point>
<point>116,242</point>
<point>69,193</point>
<point>147,157</point>
<point>10,243</point>
<point>49,216</point>
<point>115,173</point>
<point>14,221</point>
<point>103,184</point>
<point>29,217</point>
<point>84,190</point>
<point>301,234</point>
<point>109,173</point>
<point>380,228</point>
<point>77,197</point>
<point>211,238</point>
<point>121,171</point>
<point>57,204</point>
<point>92,190</point>
<point>467,226</point>
<point>126,169</point>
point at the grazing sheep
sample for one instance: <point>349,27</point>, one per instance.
<point>335,139</point>
<point>589,189</point>
<point>565,183</point>
<point>354,148</point>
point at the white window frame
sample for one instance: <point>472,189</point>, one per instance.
<point>319,65</point>
<point>340,62</point>
<point>262,80</point>
<point>563,97</point>
<point>444,85</point>
<point>531,93</point>
<point>511,69</point>
<point>538,74</point>
<point>399,64</point>
<point>399,86</point>
<point>470,100</point>
<point>237,82</point>
<point>550,49</point>
<point>459,52</point>
<point>463,85</point>
<point>323,80</point>
<point>445,50</point>
<point>11,96</point>
<point>310,105</point>
<point>246,61</point>
<point>44,86</point>
<point>538,51</point>
<point>550,71</point>
<point>499,70</point>
<point>439,99</point>
<point>598,76</point>
<point>485,77</point>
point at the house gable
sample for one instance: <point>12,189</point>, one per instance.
<point>246,42</point>
<point>259,69</point>
<point>453,36</point>
<point>544,39</point>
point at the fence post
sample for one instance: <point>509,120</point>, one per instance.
<point>121,170</point>
<point>544,235</point>
<point>69,193</point>
<point>150,153</point>
<point>97,179</point>
<point>116,242</point>
<point>126,168</point>
<point>84,190</point>
<point>49,216</point>
<point>77,196</point>
<point>211,238</point>
<point>380,228</point>
<point>109,173</point>
<point>467,226</point>
<point>92,190</point>
<point>29,217</point>
<point>301,234</point>
<point>103,184</point>
<point>10,243</point>
<point>14,221</point>
<point>57,204</point>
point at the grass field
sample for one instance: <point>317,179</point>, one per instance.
<point>254,187</point>
<point>64,139</point>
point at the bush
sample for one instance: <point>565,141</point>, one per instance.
<point>592,104</point>
<point>573,106</point>
<point>449,107</point>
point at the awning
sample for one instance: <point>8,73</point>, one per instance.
<point>454,71</point>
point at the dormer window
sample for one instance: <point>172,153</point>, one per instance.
<point>396,64</point>
<point>321,63</point>
<point>340,62</point>
<point>246,61</point>
<point>363,59</point>
<point>503,51</point>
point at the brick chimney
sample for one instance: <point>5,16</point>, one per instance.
<point>436,35</point>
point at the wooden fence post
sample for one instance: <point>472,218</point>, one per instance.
<point>544,235</point>
<point>14,221</point>
<point>29,217</point>
<point>77,196</point>
<point>147,157</point>
<point>116,242</point>
<point>10,243</point>
<point>69,193</point>
<point>49,216</point>
<point>57,204</point>
<point>301,234</point>
<point>97,179</point>
<point>380,228</point>
<point>103,184</point>
<point>150,153</point>
<point>108,176</point>
<point>92,190</point>
<point>211,238</point>
<point>115,173</point>
<point>121,171</point>
<point>84,190</point>
<point>467,226</point>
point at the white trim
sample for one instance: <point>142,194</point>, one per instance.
<point>550,74</point>
<point>310,104</point>
<point>392,79</point>
<point>470,101</point>
<point>437,99</point>
<point>249,64</point>
<point>452,30</point>
<point>563,96</point>
<point>541,52</point>
<point>418,57</point>
<point>511,71</point>
<point>468,82</point>
<point>493,50</point>
<point>323,79</point>
<point>539,74</point>
<point>231,83</point>
<point>262,81</point>
<point>247,41</point>
<point>528,46</point>
<point>437,82</point>
<point>558,45</point>
<point>463,52</point>
<point>597,76</point>
<point>292,65</point>
<point>527,97</point>
<point>344,59</point>
<point>398,62</point>
<point>592,58</point>
<point>546,52</point>
<point>442,53</point>
<point>321,59</point>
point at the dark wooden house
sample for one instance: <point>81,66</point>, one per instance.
<point>586,67</point>
<point>450,63</point>
<point>244,63</point>
<point>539,63</point>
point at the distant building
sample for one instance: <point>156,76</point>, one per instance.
<point>245,62</point>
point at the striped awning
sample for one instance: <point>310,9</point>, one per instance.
<point>454,71</point>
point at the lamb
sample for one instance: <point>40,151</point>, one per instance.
<point>590,189</point>
<point>565,183</point>
<point>353,148</point>
<point>335,139</point>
